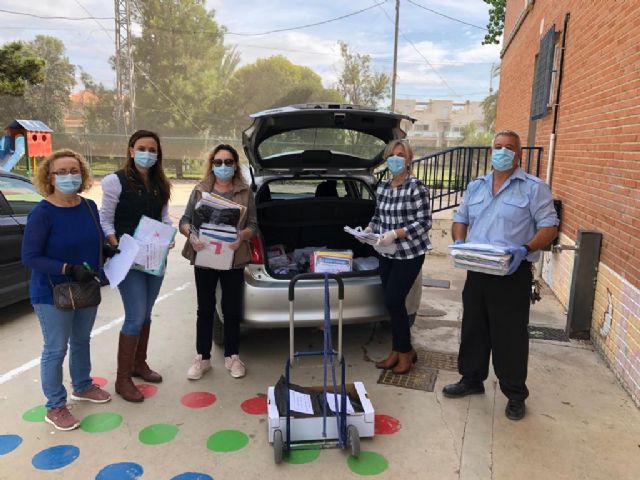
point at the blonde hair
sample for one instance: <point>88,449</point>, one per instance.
<point>406,146</point>
<point>42,179</point>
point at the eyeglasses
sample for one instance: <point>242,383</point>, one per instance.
<point>227,161</point>
<point>62,173</point>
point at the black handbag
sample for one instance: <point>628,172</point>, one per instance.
<point>77,295</point>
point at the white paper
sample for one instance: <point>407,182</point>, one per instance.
<point>153,238</point>
<point>481,247</point>
<point>151,255</point>
<point>331,403</point>
<point>119,265</point>
<point>300,402</point>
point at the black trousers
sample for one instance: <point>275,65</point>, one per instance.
<point>232,283</point>
<point>397,279</point>
<point>494,321</point>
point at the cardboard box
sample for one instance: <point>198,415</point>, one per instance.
<point>310,428</point>
<point>331,261</point>
<point>216,254</point>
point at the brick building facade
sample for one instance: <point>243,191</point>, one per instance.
<point>596,162</point>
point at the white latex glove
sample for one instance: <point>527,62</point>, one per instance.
<point>196,243</point>
<point>366,230</point>
<point>387,238</point>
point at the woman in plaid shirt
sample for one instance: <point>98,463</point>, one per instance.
<point>403,219</point>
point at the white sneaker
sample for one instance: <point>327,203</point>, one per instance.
<point>235,366</point>
<point>199,368</point>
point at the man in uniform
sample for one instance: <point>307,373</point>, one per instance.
<point>513,209</point>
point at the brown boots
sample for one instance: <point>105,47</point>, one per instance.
<point>399,362</point>
<point>124,385</point>
<point>140,367</point>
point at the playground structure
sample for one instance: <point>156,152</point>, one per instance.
<point>29,138</point>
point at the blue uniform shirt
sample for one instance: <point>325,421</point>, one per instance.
<point>522,206</point>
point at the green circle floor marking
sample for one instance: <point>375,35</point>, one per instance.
<point>368,463</point>
<point>300,456</point>
<point>158,433</point>
<point>227,441</point>
<point>101,422</point>
<point>36,414</point>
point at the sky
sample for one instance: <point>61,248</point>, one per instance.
<point>438,58</point>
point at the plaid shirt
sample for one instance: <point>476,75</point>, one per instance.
<point>406,206</point>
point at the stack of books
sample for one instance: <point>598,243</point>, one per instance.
<point>480,257</point>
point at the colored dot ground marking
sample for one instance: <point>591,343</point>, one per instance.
<point>368,463</point>
<point>227,441</point>
<point>255,406</point>
<point>101,422</point>
<point>55,457</point>
<point>300,456</point>
<point>192,476</point>
<point>36,414</point>
<point>158,433</point>
<point>147,390</point>
<point>198,399</point>
<point>100,381</point>
<point>8,443</point>
<point>387,425</point>
<point>120,471</point>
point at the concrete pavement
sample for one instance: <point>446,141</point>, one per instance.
<point>580,424</point>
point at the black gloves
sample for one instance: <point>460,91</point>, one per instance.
<point>109,251</point>
<point>79,273</point>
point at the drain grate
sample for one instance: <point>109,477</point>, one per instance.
<point>439,360</point>
<point>420,378</point>
<point>547,333</point>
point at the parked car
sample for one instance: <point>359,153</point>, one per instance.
<point>17,197</point>
<point>311,169</point>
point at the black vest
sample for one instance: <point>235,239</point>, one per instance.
<point>134,202</point>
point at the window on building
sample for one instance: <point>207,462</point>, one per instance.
<point>554,74</point>
<point>422,127</point>
<point>542,77</point>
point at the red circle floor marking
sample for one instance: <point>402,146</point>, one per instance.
<point>255,405</point>
<point>198,399</point>
<point>100,381</point>
<point>147,390</point>
<point>386,425</point>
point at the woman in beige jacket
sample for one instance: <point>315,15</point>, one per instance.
<point>222,177</point>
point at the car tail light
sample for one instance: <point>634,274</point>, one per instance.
<point>257,251</point>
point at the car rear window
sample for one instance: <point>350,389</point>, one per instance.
<point>337,140</point>
<point>318,188</point>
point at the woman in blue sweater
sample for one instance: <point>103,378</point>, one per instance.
<point>62,242</point>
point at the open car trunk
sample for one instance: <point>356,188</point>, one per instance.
<point>314,222</point>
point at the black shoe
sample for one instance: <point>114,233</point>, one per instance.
<point>515,409</point>
<point>462,389</point>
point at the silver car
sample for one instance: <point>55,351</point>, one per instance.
<point>311,169</point>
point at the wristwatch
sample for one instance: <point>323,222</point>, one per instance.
<point>527,248</point>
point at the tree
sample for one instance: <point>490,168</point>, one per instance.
<point>181,65</point>
<point>489,108</point>
<point>99,116</point>
<point>269,83</point>
<point>495,26</point>
<point>357,84</point>
<point>472,134</point>
<point>17,68</point>
<point>48,100</point>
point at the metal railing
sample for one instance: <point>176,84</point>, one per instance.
<point>448,173</point>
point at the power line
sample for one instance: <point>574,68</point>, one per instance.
<point>446,16</point>
<point>307,25</point>
<point>48,17</point>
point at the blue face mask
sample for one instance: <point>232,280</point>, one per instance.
<point>145,160</point>
<point>224,172</point>
<point>396,164</point>
<point>68,183</point>
<point>502,159</point>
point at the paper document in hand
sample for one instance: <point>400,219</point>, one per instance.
<point>300,402</point>
<point>119,265</point>
<point>217,254</point>
<point>151,255</point>
<point>481,247</point>
<point>480,257</point>
<point>332,404</point>
<point>367,237</point>
<point>153,238</point>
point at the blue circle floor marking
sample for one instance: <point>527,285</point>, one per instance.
<point>192,476</point>
<point>120,471</point>
<point>8,443</point>
<point>55,457</point>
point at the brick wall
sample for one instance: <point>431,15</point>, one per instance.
<point>596,171</point>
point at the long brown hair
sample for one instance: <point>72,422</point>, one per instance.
<point>156,172</point>
<point>208,165</point>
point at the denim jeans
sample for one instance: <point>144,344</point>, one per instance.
<point>59,329</point>
<point>139,291</point>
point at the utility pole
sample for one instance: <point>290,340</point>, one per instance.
<point>125,81</point>
<point>395,58</point>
